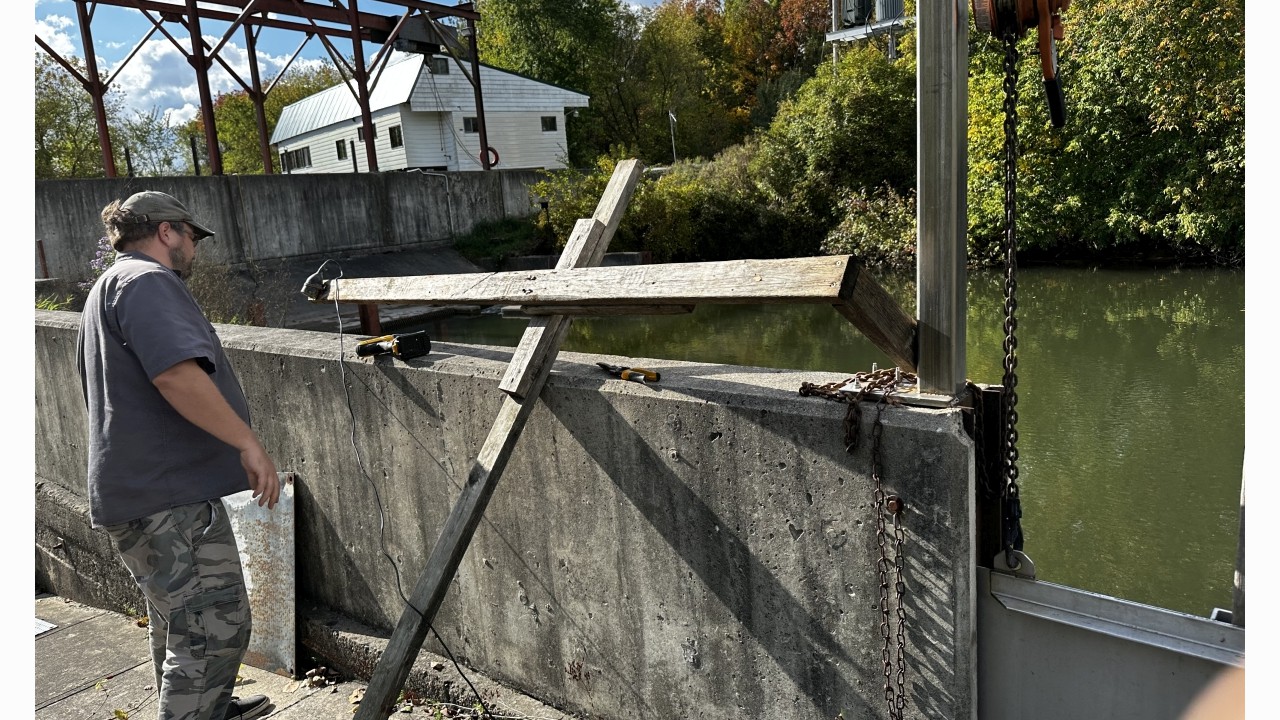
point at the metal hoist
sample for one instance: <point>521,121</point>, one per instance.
<point>1009,20</point>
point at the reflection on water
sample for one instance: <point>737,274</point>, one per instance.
<point>1131,408</point>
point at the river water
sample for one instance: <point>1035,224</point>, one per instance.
<point>1130,400</point>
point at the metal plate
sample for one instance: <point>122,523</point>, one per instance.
<point>266,540</point>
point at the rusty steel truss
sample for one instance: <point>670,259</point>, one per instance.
<point>417,30</point>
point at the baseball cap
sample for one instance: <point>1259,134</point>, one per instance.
<point>155,207</point>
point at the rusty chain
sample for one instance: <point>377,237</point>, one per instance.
<point>883,383</point>
<point>1012,506</point>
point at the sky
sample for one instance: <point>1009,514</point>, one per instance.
<point>158,76</point>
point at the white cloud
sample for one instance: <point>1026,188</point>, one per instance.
<point>159,77</point>
<point>53,30</point>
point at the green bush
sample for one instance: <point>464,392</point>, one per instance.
<point>846,129</point>
<point>878,228</point>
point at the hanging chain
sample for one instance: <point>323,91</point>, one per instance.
<point>888,510</point>
<point>1012,507</point>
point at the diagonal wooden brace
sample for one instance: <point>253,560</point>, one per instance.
<point>528,372</point>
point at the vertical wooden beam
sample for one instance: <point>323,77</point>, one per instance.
<point>411,630</point>
<point>942,87</point>
<point>583,249</point>
<point>201,64</point>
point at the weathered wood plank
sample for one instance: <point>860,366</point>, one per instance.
<point>411,630</point>
<point>878,316</point>
<point>585,248</point>
<point>789,280</point>
<point>534,345</point>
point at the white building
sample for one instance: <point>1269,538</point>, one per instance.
<point>424,116</point>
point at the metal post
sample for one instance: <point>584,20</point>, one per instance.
<point>259,100</point>
<point>201,65</point>
<point>96,89</point>
<point>942,86</point>
<point>479,93</point>
<point>362,87</point>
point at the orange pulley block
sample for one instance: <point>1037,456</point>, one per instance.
<point>1018,16</point>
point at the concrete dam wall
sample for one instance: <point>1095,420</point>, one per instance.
<point>700,547</point>
<point>273,217</point>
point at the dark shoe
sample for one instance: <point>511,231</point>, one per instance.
<point>246,708</point>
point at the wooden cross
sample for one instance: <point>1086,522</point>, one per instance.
<point>523,382</point>
<point>577,286</point>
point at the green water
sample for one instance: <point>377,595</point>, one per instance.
<point>1131,408</point>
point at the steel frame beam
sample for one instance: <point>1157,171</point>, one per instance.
<point>312,18</point>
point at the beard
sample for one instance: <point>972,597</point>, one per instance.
<point>181,263</point>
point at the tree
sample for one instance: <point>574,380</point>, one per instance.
<point>584,45</point>
<point>802,32</point>
<point>236,120</point>
<point>1152,157</point>
<point>555,41</point>
<point>843,131</point>
<point>687,73</point>
<point>153,144</point>
<point>67,144</point>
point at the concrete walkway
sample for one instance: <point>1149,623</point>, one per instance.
<point>95,665</point>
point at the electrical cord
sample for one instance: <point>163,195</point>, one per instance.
<point>382,518</point>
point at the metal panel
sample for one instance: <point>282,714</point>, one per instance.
<point>266,539</point>
<point>1048,651</point>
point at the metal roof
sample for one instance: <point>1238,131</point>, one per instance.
<point>338,103</point>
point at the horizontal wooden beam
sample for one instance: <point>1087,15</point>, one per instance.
<point>835,280</point>
<point>794,280</point>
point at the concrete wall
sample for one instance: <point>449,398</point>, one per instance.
<point>267,217</point>
<point>703,547</point>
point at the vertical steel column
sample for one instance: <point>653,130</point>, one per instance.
<point>942,88</point>
<point>475,84</point>
<point>96,89</point>
<point>259,99</point>
<point>201,65</point>
<point>362,86</point>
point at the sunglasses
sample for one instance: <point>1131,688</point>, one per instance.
<point>195,241</point>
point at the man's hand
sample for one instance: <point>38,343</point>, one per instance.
<point>263,479</point>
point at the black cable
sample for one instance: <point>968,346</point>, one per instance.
<point>382,518</point>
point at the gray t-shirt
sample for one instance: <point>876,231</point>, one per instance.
<point>138,321</point>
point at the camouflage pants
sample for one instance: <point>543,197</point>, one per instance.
<point>187,564</point>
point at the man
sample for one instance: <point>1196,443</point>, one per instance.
<point>169,436</point>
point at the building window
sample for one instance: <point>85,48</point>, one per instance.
<point>470,124</point>
<point>294,159</point>
<point>360,132</point>
<point>341,145</point>
<point>397,140</point>
<point>548,123</point>
<point>438,65</point>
